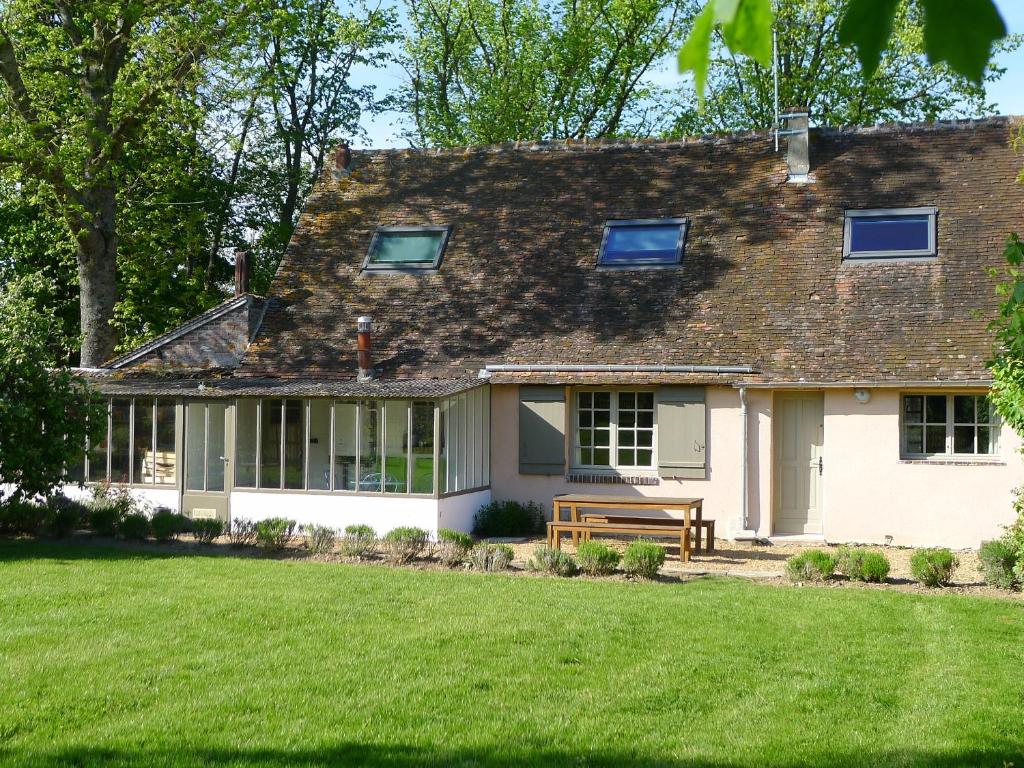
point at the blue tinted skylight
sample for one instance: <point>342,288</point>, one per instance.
<point>890,233</point>
<point>645,242</point>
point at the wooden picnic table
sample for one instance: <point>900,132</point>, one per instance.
<point>574,502</point>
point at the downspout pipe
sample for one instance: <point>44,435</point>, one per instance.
<point>612,368</point>
<point>745,533</point>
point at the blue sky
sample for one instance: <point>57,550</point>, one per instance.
<point>1007,94</point>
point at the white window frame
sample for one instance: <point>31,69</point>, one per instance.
<point>994,424</point>
<point>876,213</point>
<point>613,427</point>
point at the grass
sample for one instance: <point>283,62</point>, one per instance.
<point>113,657</point>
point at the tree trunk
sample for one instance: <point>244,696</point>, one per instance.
<point>97,276</point>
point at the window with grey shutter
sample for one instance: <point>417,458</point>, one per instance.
<point>681,433</point>
<point>541,430</point>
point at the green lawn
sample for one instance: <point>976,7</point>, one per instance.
<point>113,658</point>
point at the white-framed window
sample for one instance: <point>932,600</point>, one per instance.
<point>614,429</point>
<point>959,424</point>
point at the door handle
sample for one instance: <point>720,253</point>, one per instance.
<point>224,458</point>
<point>821,466</point>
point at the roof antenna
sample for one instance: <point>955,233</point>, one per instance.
<point>775,75</point>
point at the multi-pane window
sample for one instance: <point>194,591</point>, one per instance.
<point>891,233</point>
<point>935,425</point>
<point>615,429</point>
<point>642,242</point>
<point>137,446</point>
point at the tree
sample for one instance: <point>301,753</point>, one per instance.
<point>960,33</point>
<point>45,411</point>
<point>81,80</point>
<point>482,72</point>
<point>816,71</point>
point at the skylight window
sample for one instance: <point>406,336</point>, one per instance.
<point>406,249</point>
<point>643,243</point>
<point>889,233</point>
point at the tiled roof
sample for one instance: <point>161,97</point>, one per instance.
<point>762,283</point>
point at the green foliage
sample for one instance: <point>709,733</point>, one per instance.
<point>45,409</point>
<point>206,530</point>
<point>104,519</point>
<point>63,519</point>
<point>168,525</point>
<point>508,518</point>
<point>997,561</point>
<point>404,544</point>
<point>453,546</point>
<point>319,538</point>
<point>957,33</point>
<point>359,541</point>
<point>273,533</point>
<point>242,532</point>
<point>134,527</point>
<point>21,517</point>
<point>934,567</point>
<point>491,557</point>
<point>811,565</point>
<point>547,559</point>
<point>861,564</point>
<point>596,558</point>
<point>483,72</point>
<point>643,559</point>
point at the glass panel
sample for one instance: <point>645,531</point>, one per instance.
<point>319,446</point>
<point>641,244</point>
<point>586,418</point>
<point>215,448</point>
<point>120,444</point>
<point>344,446</point>
<point>370,478</point>
<point>423,447</point>
<point>586,437</point>
<point>486,435</point>
<point>98,456</point>
<point>963,409</point>
<point>195,446</point>
<point>165,457</point>
<point>645,458</point>
<point>294,443</point>
<point>75,471</point>
<point>142,446</point>
<point>603,400</point>
<point>601,437</point>
<point>445,470</point>
<point>645,401</point>
<point>405,248</point>
<point>625,457</point>
<point>935,409</point>
<point>586,456</point>
<point>246,430</point>
<point>270,444</point>
<point>985,410</point>
<point>645,439</point>
<point>915,439</point>
<point>985,442</point>
<point>913,408</point>
<point>935,438</point>
<point>963,439</point>
<point>872,234</point>
<point>396,446</point>
<point>601,457</point>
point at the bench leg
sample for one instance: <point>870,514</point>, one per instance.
<point>684,546</point>
<point>711,535</point>
<point>557,543</point>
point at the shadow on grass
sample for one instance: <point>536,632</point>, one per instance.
<point>86,547</point>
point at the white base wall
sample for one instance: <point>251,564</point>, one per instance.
<point>382,513</point>
<point>457,512</point>
<point>154,497</point>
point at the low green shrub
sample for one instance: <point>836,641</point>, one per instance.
<point>860,564</point>
<point>934,567</point>
<point>273,533</point>
<point>168,525</point>
<point>404,544</point>
<point>811,565</point>
<point>206,530</point>
<point>319,538</point>
<point>104,519</point>
<point>62,520</point>
<point>358,541</point>
<point>643,559</point>
<point>508,518</point>
<point>242,532</point>
<point>21,517</point>
<point>134,527</point>
<point>491,557</point>
<point>596,558</point>
<point>996,561</point>
<point>106,495</point>
<point>452,547</point>
<point>547,559</point>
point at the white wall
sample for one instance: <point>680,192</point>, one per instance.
<point>457,512</point>
<point>156,497</point>
<point>382,513</point>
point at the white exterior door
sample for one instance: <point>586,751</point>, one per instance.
<point>799,438</point>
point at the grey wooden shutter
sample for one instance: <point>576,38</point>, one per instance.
<point>541,430</point>
<point>681,433</point>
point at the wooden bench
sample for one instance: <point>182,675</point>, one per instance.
<point>587,529</point>
<point>707,525</point>
<point>575,503</point>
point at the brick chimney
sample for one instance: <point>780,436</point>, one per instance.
<point>364,345</point>
<point>241,272</point>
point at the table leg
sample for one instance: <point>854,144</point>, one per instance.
<point>574,516</point>
<point>684,549</point>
